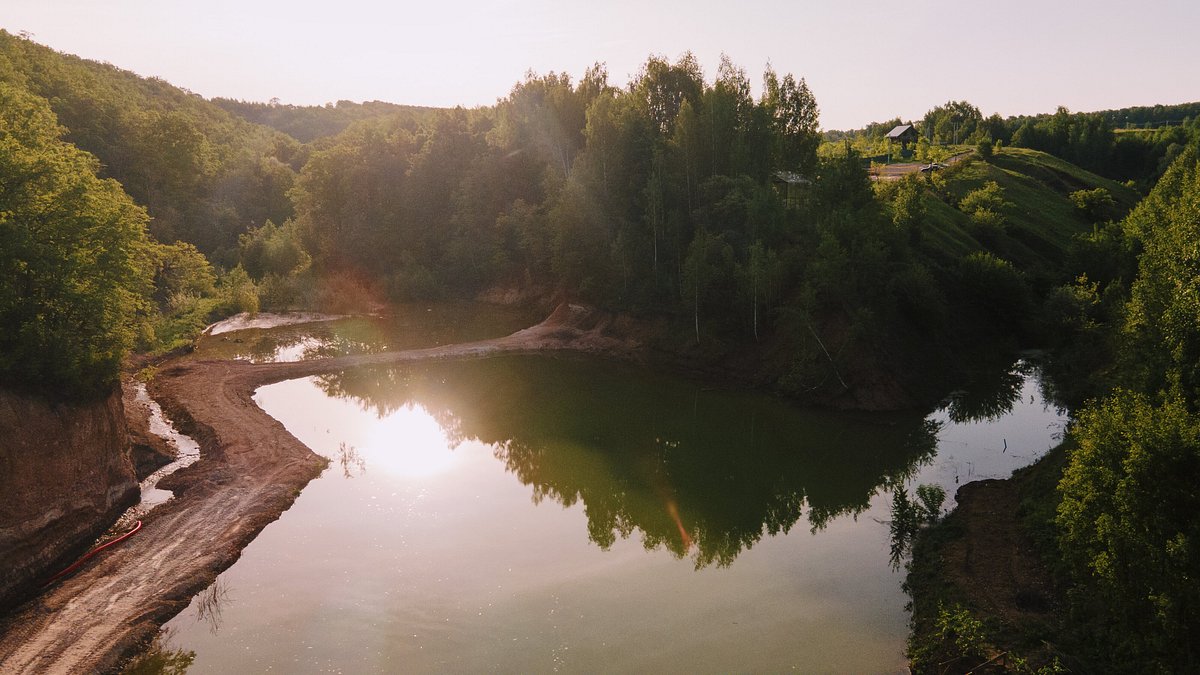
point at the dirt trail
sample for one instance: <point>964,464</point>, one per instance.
<point>890,172</point>
<point>251,470</point>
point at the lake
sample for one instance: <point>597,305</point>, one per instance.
<point>535,514</point>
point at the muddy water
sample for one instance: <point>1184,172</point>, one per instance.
<point>543,514</point>
<point>187,452</point>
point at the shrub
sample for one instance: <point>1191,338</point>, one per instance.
<point>238,292</point>
<point>994,287</point>
<point>1096,204</point>
<point>1128,527</point>
<point>984,148</point>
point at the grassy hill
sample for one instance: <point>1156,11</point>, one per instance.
<point>1041,219</point>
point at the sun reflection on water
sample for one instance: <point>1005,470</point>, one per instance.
<point>408,443</point>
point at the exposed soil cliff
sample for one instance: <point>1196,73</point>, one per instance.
<point>65,476</point>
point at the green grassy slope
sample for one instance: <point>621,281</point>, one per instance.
<point>1042,219</point>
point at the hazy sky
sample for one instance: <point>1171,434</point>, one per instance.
<point>864,60</point>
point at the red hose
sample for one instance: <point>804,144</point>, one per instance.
<point>137,526</point>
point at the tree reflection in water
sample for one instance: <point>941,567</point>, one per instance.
<point>159,659</point>
<point>211,604</point>
<point>990,393</point>
<point>701,473</point>
<point>351,461</point>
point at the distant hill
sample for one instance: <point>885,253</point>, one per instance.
<point>308,123</point>
<point>1151,116</point>
<point>204,174</point>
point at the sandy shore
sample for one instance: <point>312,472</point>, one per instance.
<point>251,470</point>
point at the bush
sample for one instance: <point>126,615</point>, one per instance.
<point>984,148</point>
<point>1096,204</point>
<point>908,205</point>
<point>995,288</point>
<point>273,249</point>
<point>1129,531</point>
<point>238,292</point>
<point>989,197</point>
<point>182,269</point>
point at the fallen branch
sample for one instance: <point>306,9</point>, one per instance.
<point>831,363</point>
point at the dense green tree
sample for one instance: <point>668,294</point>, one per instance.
<point>75,264</point>
<point>954,122</point>
<point>1126,524</point>
<point>545,115</point>
<point>794,112</point>
<point>182,270</point>
<point>1129,531</point>
<point>273,249</point>
<point>663,88</point>
<point>1162,314</point>
<point>204,175</point>
<point>349,200</point>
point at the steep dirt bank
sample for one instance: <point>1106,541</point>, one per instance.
<point>251,470</point>
<point>982,560</point>
<point>994,562</point>
<point>64,477</point>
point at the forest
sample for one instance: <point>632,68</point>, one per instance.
<point>133,213</point>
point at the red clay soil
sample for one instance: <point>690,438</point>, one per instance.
<point>251,470</point>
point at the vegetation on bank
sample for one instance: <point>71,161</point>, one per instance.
<point>666,198</point>
<point>82,280</point>
<point>75,259</point>
<point>1112,511</point>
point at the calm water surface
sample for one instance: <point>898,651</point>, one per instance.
<point>534,514</point>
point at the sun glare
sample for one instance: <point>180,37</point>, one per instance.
<point>408,443</point>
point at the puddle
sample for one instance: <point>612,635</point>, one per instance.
<point>187,452</point>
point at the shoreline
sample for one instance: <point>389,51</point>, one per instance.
<point>251,470</point>
<point>985,562</point>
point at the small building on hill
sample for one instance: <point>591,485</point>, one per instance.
<point>789,185</point>
<point>903,134</point>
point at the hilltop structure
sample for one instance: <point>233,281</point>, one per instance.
<point>902,134</point>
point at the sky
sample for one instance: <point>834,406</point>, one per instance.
<point>864,60</point>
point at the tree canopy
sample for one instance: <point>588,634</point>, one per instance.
<point>76,267</point>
